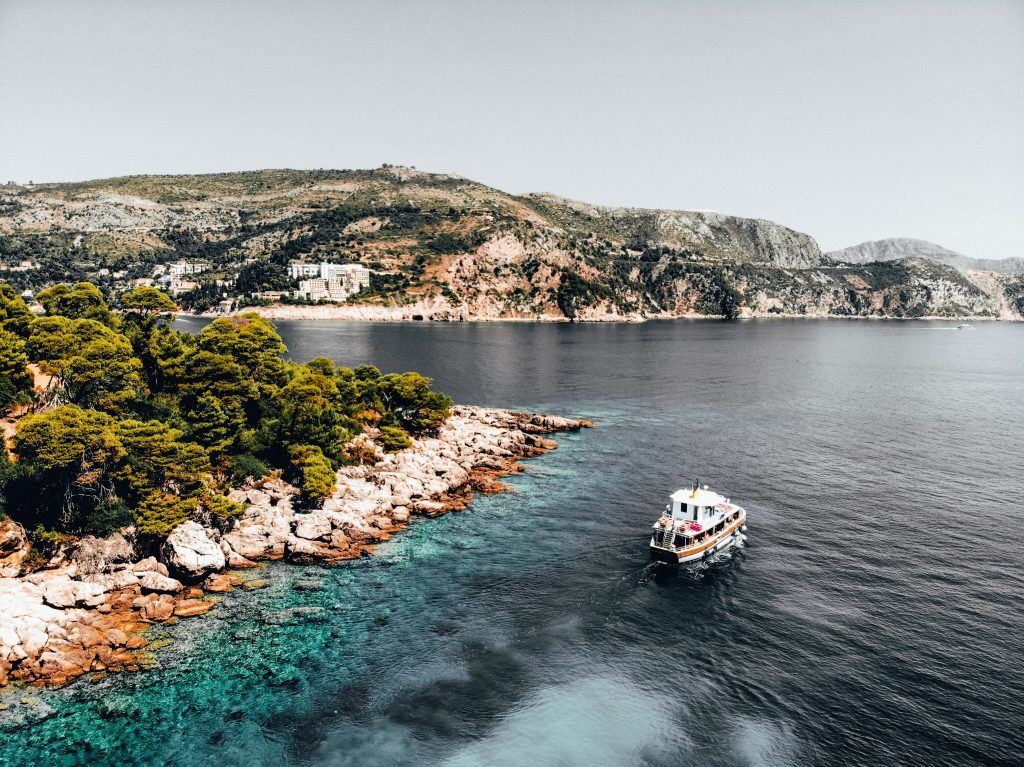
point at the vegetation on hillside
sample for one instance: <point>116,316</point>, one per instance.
<point>460,247</point>
<point>146,425</point>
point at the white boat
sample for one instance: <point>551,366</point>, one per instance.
<point>696,524</point>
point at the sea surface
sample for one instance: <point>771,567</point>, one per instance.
<point>873,618</point>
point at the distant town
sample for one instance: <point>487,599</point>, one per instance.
<point>322,282</point>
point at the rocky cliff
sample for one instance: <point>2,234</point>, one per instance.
<point>447,248</point>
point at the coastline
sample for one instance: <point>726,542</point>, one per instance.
<point>89,610</point>
<point>343,313</point>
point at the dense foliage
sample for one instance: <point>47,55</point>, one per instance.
<point>142,424</point>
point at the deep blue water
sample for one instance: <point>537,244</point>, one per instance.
<point>874,618</point>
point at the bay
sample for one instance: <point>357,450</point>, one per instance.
<point>874,616</point>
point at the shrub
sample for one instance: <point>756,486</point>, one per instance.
<point>247,465</point>
<point>314,472</point>
<point>393,439</point>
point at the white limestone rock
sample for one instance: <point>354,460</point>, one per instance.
<point>191,553</point>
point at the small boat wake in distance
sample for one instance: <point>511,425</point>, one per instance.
<point>697,524</point>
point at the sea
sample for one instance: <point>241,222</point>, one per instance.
<point>873,617</point>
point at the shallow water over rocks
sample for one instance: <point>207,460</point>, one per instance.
<point>874,616</point>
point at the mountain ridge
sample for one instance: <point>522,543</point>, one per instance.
<point>895,248</point>
<point>450,248</point>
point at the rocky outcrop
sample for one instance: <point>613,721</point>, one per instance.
<point>191,553</point>
<point>88,612</point>
<point>371,502</point>
<point>13,547</point>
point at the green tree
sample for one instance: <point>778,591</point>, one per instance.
<point>409,398</point>
<point>214,423</point>
<point>15,316</point>
<point>84,301</point>
<point>252,342</point>
<point>312,414</point>
<point>68,456</point>
<point>147,312</point>
<point>393,439</point>
<point>159,513</point>
<point>15,378</point>
<point>92,364</point>
<point>314,472</point>
<point>157,460</point>
<point>149,303</point>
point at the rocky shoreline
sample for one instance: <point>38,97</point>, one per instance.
<point>418,313</point>
<point>88,610</point>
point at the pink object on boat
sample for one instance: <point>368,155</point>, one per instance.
<point>696,527</point>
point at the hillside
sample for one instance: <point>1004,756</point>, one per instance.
<point>895,248</point>
<point>445,247</point>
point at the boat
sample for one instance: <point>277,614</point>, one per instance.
<point>697,523</point>
<point>964,327</point>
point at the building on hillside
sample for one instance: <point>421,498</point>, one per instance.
<point>303,271</point>
<point>182,268</point>
<point>332,282</point>
<point>271,295</point>
<point>355,275</point>
<point>177,287</point>
<point>322,290</point>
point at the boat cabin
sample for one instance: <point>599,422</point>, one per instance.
<point>694,516</point>
<point>698,504</point>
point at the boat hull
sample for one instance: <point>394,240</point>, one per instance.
<point>728,538</point>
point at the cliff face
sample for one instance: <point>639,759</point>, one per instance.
<point>449,248</point>
<point>714,236</point>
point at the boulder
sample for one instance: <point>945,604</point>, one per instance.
<point>155,607</point>
<point>400,514</point>
<point>116,637</point>
<point>13,545</point>
<point>258,497</point>
<point>33,638</point>
<point>313,526</point>
<point>150,564</point>
<point>339,540</point>
<point>98,555</point>
<point>302,551</point>
<point>153,581</point>
<point>189,607</point>
<point>221,582</point>
<point>64,594</point>
<point>191,553</point>
<point>260,534</point>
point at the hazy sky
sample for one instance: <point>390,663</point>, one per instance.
<point>847,120</point>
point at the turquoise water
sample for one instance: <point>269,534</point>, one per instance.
<point>873,618</point>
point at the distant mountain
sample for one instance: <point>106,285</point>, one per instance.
<point>896,248</point>
<point>444,247</point>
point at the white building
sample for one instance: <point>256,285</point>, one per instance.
<point>181,268</point>
<point>302,271</point>
<point>332,282</point>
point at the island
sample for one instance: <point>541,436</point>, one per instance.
<point>144,468</point>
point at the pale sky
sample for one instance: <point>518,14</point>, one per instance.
<point>850,121</point>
